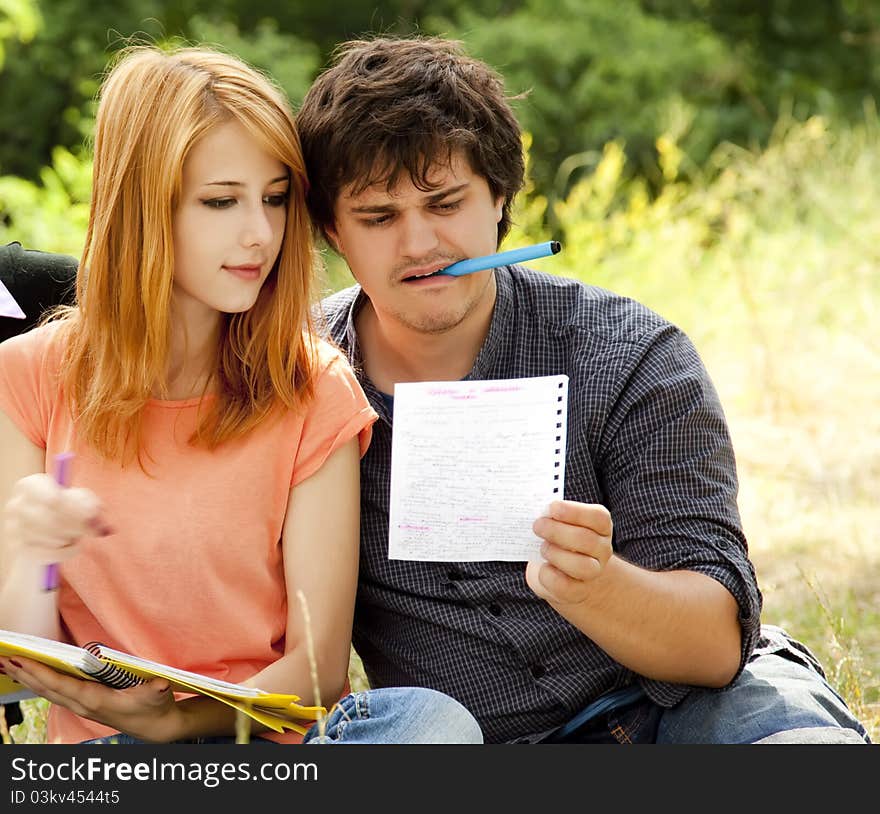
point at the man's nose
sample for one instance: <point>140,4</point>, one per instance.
<point>418,237</point>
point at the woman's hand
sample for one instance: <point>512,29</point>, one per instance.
<point>147,712</point>
<point>44,520</point>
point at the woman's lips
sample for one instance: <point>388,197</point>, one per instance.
<point>245,272</point>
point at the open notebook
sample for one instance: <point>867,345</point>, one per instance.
<point>121,670</point>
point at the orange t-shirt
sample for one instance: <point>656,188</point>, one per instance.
<point>192,576</point>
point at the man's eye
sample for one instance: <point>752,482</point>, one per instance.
<point>379,220</point>
<point>219,203</point>
<point>276,199</point>
<point>448,206</point>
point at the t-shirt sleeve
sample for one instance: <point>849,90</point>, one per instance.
<point>28,388</point>
<point>338,412</point>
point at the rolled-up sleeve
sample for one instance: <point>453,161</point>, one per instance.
<point>670,478</point>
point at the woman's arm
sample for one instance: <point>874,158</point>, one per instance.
<point>41,523</point>
<point>320,542</point>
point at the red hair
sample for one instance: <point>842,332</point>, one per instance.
<point>154,106</point>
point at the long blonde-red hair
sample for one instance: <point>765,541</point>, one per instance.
<point>153,107</point>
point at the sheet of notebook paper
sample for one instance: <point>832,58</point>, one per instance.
<point>473,465</point>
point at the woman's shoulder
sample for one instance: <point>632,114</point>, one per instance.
<point>335,383</point>
<point>30,381</point>
<point>39,346</point>
<point>328,357</point>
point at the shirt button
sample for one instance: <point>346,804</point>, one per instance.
<point>538,670</point>
<point>495,609</point>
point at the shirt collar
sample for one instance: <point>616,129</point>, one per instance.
<point>501,325</point>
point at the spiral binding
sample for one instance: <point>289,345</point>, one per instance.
<point>117,677</point>
<point>559,449</point>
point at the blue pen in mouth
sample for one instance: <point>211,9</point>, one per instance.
<point>489,261</point>
<point>505,258</point>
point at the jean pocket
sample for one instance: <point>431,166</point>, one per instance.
<point>635,724</point>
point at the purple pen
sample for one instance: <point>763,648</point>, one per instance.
<point>51,576</point>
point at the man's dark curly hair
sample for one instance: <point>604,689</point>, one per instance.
<point>388,105</point>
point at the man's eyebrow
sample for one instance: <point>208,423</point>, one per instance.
<point>445,193</point>
<point>372,209</point>
<point>368,209</point>
<point>241,184</point>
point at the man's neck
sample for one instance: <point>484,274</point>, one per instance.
<point>393,352</point>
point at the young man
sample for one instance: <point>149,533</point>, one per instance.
<point>643,624</point>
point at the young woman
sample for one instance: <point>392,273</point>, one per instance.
<point>215,439</point>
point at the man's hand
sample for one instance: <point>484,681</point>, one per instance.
<point>147,712</point>
<point>576,547</point>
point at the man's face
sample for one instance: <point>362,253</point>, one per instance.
<point>392,238</point>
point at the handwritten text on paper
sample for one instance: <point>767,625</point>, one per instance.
<point>473,465</point>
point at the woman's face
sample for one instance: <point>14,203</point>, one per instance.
<point>229,223</point>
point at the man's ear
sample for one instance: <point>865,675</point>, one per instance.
<point>332,237</point>
<point>499,208</point>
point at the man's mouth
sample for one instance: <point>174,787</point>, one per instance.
<point>426,272</point>
<point>412,277</point>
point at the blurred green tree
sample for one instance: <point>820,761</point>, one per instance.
<point>696,72</point>
<point>48,81</point>
<point>822,55</point>
<point>593,72</point>
<point>19,19</point>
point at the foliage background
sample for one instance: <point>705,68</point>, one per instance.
<point>716,159</point>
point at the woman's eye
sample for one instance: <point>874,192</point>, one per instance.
<point>219,203</point>
<point>277,199</point>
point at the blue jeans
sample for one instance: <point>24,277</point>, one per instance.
<point>397,715</point>
<point>780,697</point>
<point>389,715</point>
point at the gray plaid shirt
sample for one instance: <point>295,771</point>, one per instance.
<point>646,437</point>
